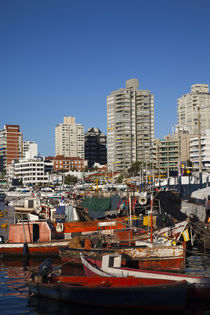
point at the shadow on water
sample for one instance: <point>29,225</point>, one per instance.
<point>48,306</point>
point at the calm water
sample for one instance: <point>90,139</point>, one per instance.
<point>15,299</point>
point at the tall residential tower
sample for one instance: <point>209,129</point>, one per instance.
<point>11,145</point>
<point>69,138</point>
<point>189,107</point>
<point>130,126</point>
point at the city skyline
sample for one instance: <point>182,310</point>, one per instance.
<point>62,58</point>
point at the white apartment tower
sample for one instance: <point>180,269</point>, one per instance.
<point>30,150</point>
<point>189,106</point>
<point>130,126</point>
<point>69,138</point>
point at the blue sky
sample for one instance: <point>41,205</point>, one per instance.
<point>63,57</point>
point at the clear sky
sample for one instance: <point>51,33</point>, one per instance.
<point>63,57</point>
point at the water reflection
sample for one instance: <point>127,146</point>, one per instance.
<point>7,217</point>
<point>47,306</point>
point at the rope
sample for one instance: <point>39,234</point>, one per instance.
<point>70,260</point>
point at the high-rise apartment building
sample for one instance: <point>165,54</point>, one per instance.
<point>130,126</point>
<point>11,145</point>
<point>189,107</point>
<point>95,147</point>
<point>69,138</point>
<point>30,149</point>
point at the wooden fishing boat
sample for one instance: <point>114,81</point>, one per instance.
<point>32,238</point>
<point>32,249</point>
<point>109,226</point>
<point>145,256</point>
<point>28,205</point>
<point>169,232</point>
<point>88,227</point>
<point>124,293</point>
<point>111,266</point>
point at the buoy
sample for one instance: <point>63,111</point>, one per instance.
<point>1,213</point>
<point>59,227</point>
<point>142,200</point>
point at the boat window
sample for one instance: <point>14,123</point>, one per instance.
<point>111,261</point>
<point>30,203</point>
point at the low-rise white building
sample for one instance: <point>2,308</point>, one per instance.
<point>31,171</point>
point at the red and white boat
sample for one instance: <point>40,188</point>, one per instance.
<point>145,256</point>
<point>88,227</point>
<point>34,238</point>
<point>117,292</point>
<point>111,266</point>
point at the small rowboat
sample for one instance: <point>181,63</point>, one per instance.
<point>110,266</point>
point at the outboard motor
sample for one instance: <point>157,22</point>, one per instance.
<point>45,268</point>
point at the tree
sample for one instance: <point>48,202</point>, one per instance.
<point>120,179</point>
<point>70,179</point>
<point>135,168</point>
<point>86,169</point>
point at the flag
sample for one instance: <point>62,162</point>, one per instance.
<point>186,235</point>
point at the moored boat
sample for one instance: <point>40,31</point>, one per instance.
<point>145,256</point>
<point>126,293</point>
<point>111,266</point>
<point>32,249</point>
<point>31,238</point>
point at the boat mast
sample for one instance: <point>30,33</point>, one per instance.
<point>151,217</point>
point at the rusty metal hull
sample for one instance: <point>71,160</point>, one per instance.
<point>171,258</point>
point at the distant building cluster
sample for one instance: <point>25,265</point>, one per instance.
<point>130,138</point>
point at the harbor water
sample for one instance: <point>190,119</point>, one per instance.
<point>15,298</point>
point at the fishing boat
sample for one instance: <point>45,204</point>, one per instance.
<point>111,266</point>
<point>89,227</point>
<point>145,256</point>
<point>33,238</point>
<point>112,292</point>
<point>169,232</point>
<point>28,205</point>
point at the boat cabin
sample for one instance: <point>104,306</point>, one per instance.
<point>29,204</point>
<point>30,232</point>
<point>111,261</point>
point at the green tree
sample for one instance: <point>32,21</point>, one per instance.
<point>120,179</point>
<point>135,168</point>
<point>70,179</point>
